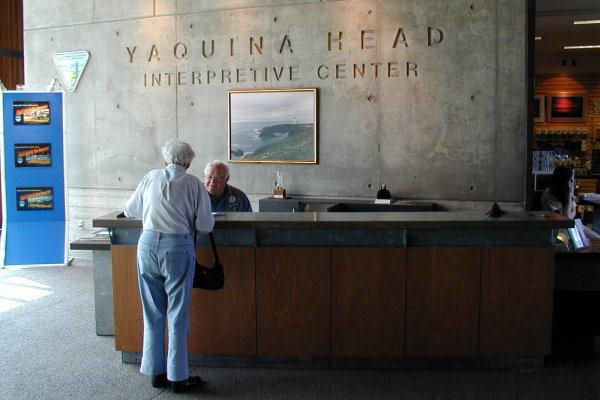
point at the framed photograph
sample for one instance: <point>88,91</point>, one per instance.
<point>567,108</point>
<point>35,199</point>
<point>273,126</point>
<point>31,112</point>
<point>33,155</point>
<point>539,108</point>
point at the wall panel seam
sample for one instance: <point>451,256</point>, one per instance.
<point>166,15</point>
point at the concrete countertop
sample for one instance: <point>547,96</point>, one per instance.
<point>366,220</point>
<point>354,200</point>
<point>98,240</point>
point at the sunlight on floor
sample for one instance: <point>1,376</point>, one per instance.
<point>19,280</point>
<point>7,305</point>
<point>16,291</point>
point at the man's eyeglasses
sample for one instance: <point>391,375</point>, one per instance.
<point>215,178</point>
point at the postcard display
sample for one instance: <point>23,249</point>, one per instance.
<point>33,172</point>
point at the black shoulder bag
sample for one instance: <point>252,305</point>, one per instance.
<point>209,278</point>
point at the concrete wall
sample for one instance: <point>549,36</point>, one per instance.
<point>454,132</point>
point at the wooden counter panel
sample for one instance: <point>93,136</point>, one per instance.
<point>223,322</point>
<point>351,302</point>
<point>516,306</point>
<point>368,288</point>
<point>214,316</point>
<point>129,323</point>
<point>293,299</point>
<point>442,302</point>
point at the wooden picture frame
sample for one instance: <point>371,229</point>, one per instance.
<point>567,108</point>
<point>277,126</point>
<point>539,108</point>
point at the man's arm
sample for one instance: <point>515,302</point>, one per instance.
<point>246,206</point>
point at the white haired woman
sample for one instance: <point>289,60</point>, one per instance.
<point>171,204</point>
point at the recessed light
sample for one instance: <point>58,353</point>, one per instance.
<point>587,22</point>
<point>596,46</point>
<point>539,37</point>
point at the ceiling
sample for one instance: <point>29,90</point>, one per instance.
<point>554,22</point>
<point>562,6</point>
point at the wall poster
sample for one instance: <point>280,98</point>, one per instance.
<point>35,199</point>
<point>31,112</point>
<point>33,155</point>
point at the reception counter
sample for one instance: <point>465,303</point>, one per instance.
<point>367,289</point>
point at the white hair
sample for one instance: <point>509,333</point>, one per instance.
<point>177,152</point>
<point>216,164</point>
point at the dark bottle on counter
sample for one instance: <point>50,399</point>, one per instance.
<point>383,193</point>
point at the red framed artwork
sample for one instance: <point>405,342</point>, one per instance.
<point>567,108</point>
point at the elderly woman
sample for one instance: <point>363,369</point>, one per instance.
<point>171,204</point>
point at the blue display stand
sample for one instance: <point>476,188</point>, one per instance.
<point>33,179</point>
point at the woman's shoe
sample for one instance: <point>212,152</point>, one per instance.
<point>189,384</point>
<point>159,381</point>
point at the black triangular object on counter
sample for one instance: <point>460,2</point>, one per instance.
<point>496,211</point>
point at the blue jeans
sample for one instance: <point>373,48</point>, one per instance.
<point>166,264</point>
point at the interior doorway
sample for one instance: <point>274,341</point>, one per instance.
<point>564,94</point>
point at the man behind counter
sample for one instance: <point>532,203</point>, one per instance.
<point>223,197</point>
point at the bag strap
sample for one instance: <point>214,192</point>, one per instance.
<point>212,241</point>
<point>195,231</point>
<point>214,248</point>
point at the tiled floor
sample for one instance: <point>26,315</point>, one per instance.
<point>48,350</point>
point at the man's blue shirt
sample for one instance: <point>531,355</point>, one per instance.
<point>232,200</point>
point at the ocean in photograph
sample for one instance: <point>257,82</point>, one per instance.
<point>272,140</point>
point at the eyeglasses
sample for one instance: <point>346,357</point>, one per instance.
<point>216,178</point>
